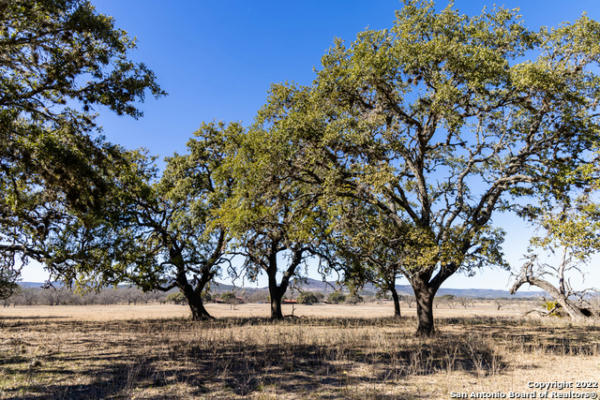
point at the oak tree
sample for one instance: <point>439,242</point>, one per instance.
<point>439,122</point>
<point>164,229</point>
<point>58,60</point>
<point>274,225</point>
<point>568,231</point>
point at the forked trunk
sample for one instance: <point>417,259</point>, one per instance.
<point>192,294</point>
<point>396,302</point>
<point>276,291</point>
<point>194,299</point>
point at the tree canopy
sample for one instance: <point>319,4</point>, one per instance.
<point>58,60</point>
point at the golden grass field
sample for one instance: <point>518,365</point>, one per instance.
<point>323,352</point>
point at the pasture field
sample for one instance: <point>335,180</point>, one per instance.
<point>322,352</point>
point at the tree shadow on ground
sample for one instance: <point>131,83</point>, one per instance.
<point>237,367</point>
<point>527,336</point>
<point>143,361</point>
<point>109,382</point>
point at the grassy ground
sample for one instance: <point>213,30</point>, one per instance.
<point>325,352</point>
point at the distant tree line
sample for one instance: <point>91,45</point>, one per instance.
<point>65,296</point>
<point>61,296</point>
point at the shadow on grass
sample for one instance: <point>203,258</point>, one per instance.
<point>527,336</point>
<point>115,366</point>
<point>237,369</point>
<point>107,383</point>
<point>30,318</point>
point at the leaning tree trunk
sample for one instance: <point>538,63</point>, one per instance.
<point>575,312</point>
<point>194,297</point>
<point>396,302</point>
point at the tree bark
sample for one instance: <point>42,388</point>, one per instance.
<point>276,291</point>
<point>193,294</point>
<point>396,302</point>
<point>194,297</point>
<point>199,313</point>
<point>424,297</point>
<point>276,295</point>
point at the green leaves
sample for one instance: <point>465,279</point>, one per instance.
<point>59,59</point>
<point>573,224</point>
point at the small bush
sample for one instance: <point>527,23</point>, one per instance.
<point>555,307</point>
<point>336,297</point>
<point>176,298</point>
<point>355,299</point>
<point>307,298</point>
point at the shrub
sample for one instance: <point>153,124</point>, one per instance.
<point>176,298</point>
<point>307,298</point>
<point>354,299</point>
<point>336,297</point>
<point>554,308</point>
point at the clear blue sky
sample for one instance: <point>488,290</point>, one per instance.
<point>217,59</point>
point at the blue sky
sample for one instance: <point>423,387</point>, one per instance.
<point>217,59</point>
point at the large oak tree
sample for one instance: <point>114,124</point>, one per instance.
<point>275,225</point>
<point>439,122</point>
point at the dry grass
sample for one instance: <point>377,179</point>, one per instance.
<point>329,352</point>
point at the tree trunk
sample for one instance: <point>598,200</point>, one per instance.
<point>396,302</point>
<point>196,304</point>
<point>574,312</point>
<point>194,299</point>
<point>276,295</point>
<point>275,291</point>
<point>424,297</point>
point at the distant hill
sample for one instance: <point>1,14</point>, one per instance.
<point>31,284</point>
<point>309,284</point>
<point>326,287</point>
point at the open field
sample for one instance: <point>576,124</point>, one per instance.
<point>328,352</point>
<point>156,311</point>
